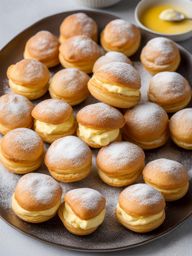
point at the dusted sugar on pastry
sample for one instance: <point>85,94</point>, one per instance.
<point>37,198</point>
<point>140,208</point>
<point>120,163</point>
<point>53,119</point>
<point>110,57</point>
<point>121,36</point>
<point>117,84</point>
<point>69,159</point>
<point>78,24</point>
<point>44,47</point>
<point>180,127</point>
<point>28,78</point>
<point>79,52</point>
<point>15,112</point>
<point>160,54</point>
<point>21,151</point>
<point>167,176</point>
<point>70,85</point>
<point>83,211</point>
<point>170,90</point>
<point>99,124</point>
<point>146,125</point>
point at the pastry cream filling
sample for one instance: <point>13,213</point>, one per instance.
<point>119,89</point>
<point>142,220</point>
<point>77,222</point>
<point>152,142</point>
<point>54,128</point>
<point>170,191</point>
<point>100,137</point>
<point>25,89</point>
<point>25,213</point>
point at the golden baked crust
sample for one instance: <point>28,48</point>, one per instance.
<point>44,47</point>
<point>15,112</point>
<point>170,90</point>
<point>78,24</point>
<point>160,54</point>
<point>122,36</point>
<point>69,85</point>
<point>100,116</point>
<point>79,52</point>
<point>109,57</point>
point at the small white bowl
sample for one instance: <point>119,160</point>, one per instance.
<point>97,3</point>
<point>186,5</point>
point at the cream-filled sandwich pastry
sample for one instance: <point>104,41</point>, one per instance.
<point>53,119</point>
<point>99,124</point>
<point>141,208</point>
<point>37,198</point>
<point>83,211</point>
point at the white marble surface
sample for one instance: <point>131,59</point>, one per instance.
<point>15,15</point>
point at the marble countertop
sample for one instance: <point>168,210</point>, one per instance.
<point>16,15</point>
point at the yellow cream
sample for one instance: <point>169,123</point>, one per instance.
<point>171,191</point>
<point>151,19</point>
<point>119,89</point>
<point>142,220</point>
<point>77,222</point>
<point>33,215</point>
<point>47,128</point>
<point>25,89</point>
<point>100,137</point>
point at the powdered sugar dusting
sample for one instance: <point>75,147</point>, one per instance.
<point>84,45</point>
<point>122,27</point>
<point>85,22</point>
<point>162,44</point>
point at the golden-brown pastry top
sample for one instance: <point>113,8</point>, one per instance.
<point>28,72</point>
<point>37,192</point>
<point>86,203</point>
<point>146,120</point>
<point>22,144</point>
<point>141,200</point>
<point>109,57</point>
<point>78,24</point>
<point>68,153</point>
<point>181,125</point>
<point>80,49</point>
<point>160,51</point>
<point>69,83</point>
<point>168,88</point>
<point>100,116</point>
<point>119,73</point>
<point>120,158</point>
<point>15,111</point>
<point>165,173</point>
<point>52,111</point>
<point>43,46</point>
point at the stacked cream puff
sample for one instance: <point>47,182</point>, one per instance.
<point>120,126</point>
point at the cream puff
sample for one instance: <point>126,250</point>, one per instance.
<point>140,208</point>
<point>146,125</point>
<point>167,176</point>
<point>117,84</point>
<point>37,198</point>
<point>79,52</point>
<point>21,151</point>
<point>15,112</point>
<point>44,47</point>
<point>69,159</point>
<point>121,36</point>
<point>99,124</point>
<point>83,211</point>
<point>110,57</point>
<point>70,85</point>
<point>160,54</point>
<point>28,78</point>
<point>78,24</point>
<point>53,119</point>
<point>170,90</point>
<point>120,163</point>
<point>180,127</point>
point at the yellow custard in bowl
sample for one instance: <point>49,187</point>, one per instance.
<point>151,19</point>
